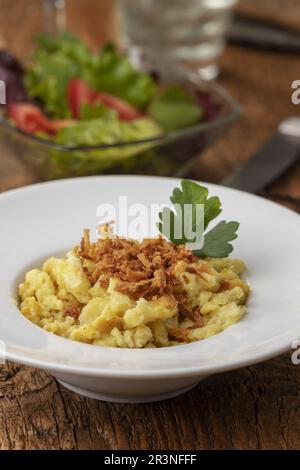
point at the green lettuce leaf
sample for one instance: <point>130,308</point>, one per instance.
<point>96,161</point>
<point>59,59</point>
<point>107,131</point>
<point>95,111</point>
<point>117,76</point>
<point>55,61</point>
<point>175,109</point>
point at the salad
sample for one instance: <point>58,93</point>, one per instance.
<point>75,97</point>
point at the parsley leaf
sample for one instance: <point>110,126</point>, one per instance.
<point>216,241</point>
<point>175,109</point>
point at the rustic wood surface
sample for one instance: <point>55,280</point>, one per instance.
<point>254,408</point>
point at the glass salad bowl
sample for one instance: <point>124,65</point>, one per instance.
<point>169,154</point>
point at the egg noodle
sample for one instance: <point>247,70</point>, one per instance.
<point>122,293</point>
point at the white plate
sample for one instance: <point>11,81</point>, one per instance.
<point>44,219</point>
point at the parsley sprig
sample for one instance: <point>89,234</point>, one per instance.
<point>217,240</point>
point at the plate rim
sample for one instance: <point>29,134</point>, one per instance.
<point>277,349</point>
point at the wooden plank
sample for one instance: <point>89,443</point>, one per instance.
<point>254,408</point>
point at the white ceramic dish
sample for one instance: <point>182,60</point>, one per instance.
<point>44,219</point>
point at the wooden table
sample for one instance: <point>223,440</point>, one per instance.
<point>254,408</point>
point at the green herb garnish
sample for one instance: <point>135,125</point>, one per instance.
<point>217,240</point>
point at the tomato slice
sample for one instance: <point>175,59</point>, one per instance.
<point>57,124</point>
<point>30,118</point>
<point>125,111</point>
<point>78,93</point>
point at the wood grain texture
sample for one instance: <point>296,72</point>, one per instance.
<point>284,12</point>
<point>253,408</point>
<point>92,20</point>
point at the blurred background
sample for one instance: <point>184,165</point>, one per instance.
<point>257,74</point>
<point>95,20</point>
